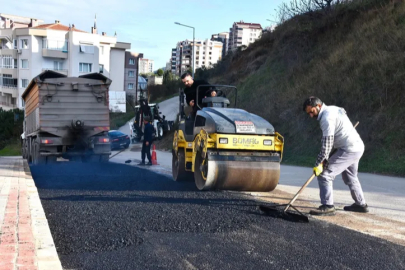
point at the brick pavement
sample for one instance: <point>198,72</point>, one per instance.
<point>25,239</point>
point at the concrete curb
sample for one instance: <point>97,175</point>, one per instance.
<point>26,241</point>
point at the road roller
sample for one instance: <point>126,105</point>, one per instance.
<point>222,147</point>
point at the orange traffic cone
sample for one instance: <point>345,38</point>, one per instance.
<point>154,159</point>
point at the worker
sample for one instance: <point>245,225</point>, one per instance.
<point>191,91</point>
<point>337,132</point>
<point>147,141</point>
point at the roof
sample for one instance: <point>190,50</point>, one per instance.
<point>250,25</point>
<point>57,26</point>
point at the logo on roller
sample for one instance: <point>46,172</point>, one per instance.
<point>245,141</point>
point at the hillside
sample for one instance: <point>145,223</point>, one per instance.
<point>351,57</point>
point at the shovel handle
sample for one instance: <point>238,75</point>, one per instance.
<point>299,191</point>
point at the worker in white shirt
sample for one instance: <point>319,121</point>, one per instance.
<point>337,132</point>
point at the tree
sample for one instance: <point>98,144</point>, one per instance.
<point>298,7</point>
<point>160,72</point>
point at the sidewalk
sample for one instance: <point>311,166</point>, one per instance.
<point>25,238</point>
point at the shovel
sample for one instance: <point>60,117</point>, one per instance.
<point>281,210</point>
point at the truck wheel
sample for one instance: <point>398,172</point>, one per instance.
<point>51,159</point>
<point>29,151</point>
<point>104,158</point>
<point>159,131</point>
<point>37,158</point>
<point>23,149</point>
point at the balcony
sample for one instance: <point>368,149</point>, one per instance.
<point>54,48</point>
<point>7,51</point>
<point>7,105</point>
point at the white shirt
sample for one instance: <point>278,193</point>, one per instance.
<point>334,121</point>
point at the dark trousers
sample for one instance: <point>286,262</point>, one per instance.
<point>146,150</point>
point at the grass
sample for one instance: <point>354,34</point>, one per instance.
<point>11,149</point>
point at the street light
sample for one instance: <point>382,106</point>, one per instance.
<point>193,42</point>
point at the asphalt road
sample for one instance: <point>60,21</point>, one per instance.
<point>114,216</point>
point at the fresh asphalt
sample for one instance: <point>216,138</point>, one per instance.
<point>114,216</point>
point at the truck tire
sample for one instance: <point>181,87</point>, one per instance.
<point>51,159</point>
<point>104,158</point>
<point>159,131</point>
<point>29,151</point>
<point>37,158</point>
<point>23,149</point>
<point>91,158</point>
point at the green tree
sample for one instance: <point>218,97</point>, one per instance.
<point>160,72</point>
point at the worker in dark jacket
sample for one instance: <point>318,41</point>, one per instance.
<point>147,141</point>
<point>191,91</point>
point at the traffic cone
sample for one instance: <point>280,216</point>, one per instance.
<point>154,158</point>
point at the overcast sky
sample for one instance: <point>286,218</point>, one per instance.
<point>148,25</point>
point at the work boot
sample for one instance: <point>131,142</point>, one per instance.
<point>149,163</point>
<point>357,208</point>
<point>324,210</point>
<point>142,163</point>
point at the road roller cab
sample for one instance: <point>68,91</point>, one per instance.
<point>226,148</point>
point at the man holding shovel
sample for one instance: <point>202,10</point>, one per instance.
<point>339,133</point>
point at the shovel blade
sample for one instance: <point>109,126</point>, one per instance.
<point>279,212</point>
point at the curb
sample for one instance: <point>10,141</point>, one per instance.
<point>26,241</point>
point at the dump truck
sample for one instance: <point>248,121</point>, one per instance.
<point>224,147</point>
<point>66,117</point>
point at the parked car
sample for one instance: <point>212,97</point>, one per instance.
<point>118,139</point>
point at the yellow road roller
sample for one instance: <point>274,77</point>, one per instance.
<point>226,148</point>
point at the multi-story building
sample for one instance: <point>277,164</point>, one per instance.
<point>207,53</point>
<point>224,38</point>
<point>173,61</point>
<point>28,48</point>
<point>145,66</point>
<point>243,33</point>
<point>132,83</point>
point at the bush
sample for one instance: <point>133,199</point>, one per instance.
<point>11,126</point>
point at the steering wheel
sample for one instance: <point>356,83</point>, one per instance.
<point>220,93</point>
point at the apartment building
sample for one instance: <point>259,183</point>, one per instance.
<point>173,61</point>
<point>224,38</point>
<point>242,34</point>
<point>145,66</point>
<point>207,53</point>
<point>132,83</point>
<point>29,47</point>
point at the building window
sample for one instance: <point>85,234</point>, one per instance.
<point>15,43</point>
<point>130,86</point>
<point>102,50</point>
<point>87,49</point>
<point>131,73</point>
<point>57,65</point>
<point>85,67</point>
<point>24,43</point>
<point>22,102</point>
<point>24,63</point>
<point>24,83</point>
<point>7,61</point>
<point>100,68</point>
<point>132,61</point>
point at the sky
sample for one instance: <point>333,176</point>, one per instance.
<point>149,25</point>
